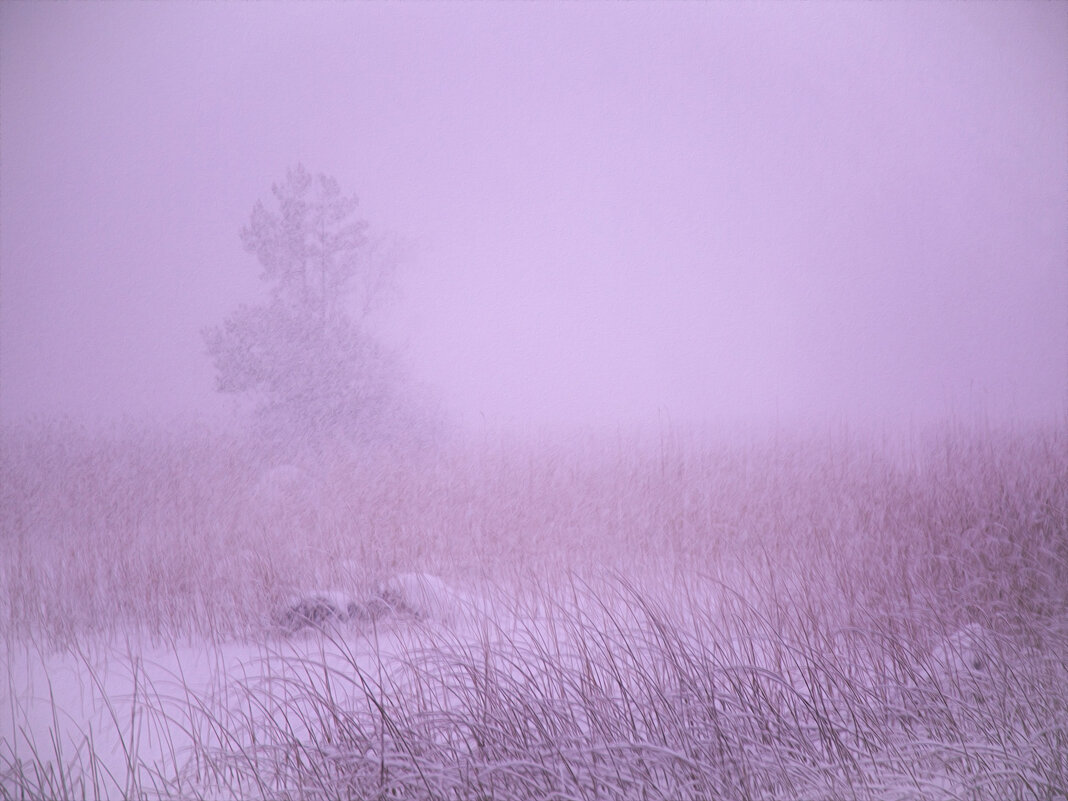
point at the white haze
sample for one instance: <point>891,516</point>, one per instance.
<point>613,214</point>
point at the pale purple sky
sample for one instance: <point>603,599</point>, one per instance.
<point>616,212</point>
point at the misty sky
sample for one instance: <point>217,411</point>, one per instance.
<point>613,212</point>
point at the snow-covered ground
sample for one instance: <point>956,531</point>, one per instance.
<point>103,712</point>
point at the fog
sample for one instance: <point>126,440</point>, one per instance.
<point>609,214</point>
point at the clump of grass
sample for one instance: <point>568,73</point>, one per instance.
<point>799,632</point>
<point>615,692</point>
<point>605,690</point>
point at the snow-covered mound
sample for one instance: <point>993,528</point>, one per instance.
<point>418,596</point>
<point>427,597</point>
<point>316,609</point>
<point>969,651</point>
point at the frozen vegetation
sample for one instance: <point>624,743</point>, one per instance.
<point>189,615</point>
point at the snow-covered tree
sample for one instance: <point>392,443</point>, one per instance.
<point>306,355</point>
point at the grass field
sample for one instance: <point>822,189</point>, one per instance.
<point>819,616</point>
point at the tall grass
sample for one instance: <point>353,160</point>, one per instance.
<point>157,531</point>
<point>610,690</point>
<point>623,697</point>
<point>773,623</point>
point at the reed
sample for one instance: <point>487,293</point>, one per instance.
<point>678,617</point>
